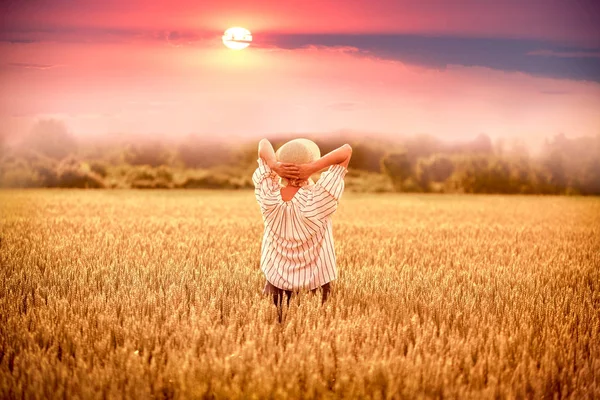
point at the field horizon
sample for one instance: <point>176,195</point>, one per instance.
<point>138,294</point>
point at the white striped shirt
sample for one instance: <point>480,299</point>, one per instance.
<point>297,246</point>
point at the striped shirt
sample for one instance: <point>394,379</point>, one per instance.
<point>297,247</point>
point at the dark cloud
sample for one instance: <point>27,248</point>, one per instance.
<point>582,53</point>
<point>534,57</point>
<point>180,38</point>
<point>22,41</point>
<point>102,35</point>
<point>174,35</point>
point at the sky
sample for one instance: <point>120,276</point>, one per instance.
<point>510,69</point>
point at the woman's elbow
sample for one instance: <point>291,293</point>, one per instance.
<point>261,145</point>
<point>348,149</point>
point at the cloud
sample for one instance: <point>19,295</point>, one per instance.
<point>104,35</point>
<point>20,41</point>
<point>509,55</point>
<point>565,54</point>
<point>33,65</point>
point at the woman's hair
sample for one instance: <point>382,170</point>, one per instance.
<point>298,151</point>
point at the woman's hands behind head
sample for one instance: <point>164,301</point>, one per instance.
<point>299,172</point>
<point>305,171</point>
<point>286,170</point>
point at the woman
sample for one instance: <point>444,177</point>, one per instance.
<point>297,246</point>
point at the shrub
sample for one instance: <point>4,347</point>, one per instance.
<point>164,173</point>
<point>362,181</point>
<point>30,169</point>
<point>99,168</point>
<point>147,177</point>
<point>19,177</point>
<point>72,173</point>
<point>46,169</point>
<point>151,153</point>
<point>142,173</point>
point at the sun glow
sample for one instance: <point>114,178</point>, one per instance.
<point>237,38</point>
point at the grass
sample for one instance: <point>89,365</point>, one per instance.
<point>157,294</point>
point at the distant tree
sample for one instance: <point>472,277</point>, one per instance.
<point>51,138</point>
<point>397,167</point>
<point>152,153</point>
<point>436,168</point>
<point>197,152</point>
<point>482,174</point>
<point>423,174</point>
<point>72,173</point>
<point>366,157</point>
<point>99,167</point>
<point>589,181</point>
<point>45,169</point>
<point>570,162</point>
<point>441,167</point>
<point>420,146</point>
<point>498,177</point>
<point>245,155</point>
<point>555,166</point>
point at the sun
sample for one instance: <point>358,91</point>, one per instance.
<point>237,38</point>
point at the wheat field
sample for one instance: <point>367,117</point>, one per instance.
<point>157,294</point>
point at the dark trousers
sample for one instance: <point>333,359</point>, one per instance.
<point>278,297</point>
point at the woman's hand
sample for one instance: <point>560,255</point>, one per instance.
<point>286,170</point>
<point>305,171</point>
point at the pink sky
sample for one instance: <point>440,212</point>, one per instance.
<point>571,20</point>
<point>150,67</point>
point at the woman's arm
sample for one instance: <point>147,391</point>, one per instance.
<point>285,170</point>
<point>266,152</point>
<point>341,156</point>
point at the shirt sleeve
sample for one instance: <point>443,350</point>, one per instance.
<point>266,186</point>
<point>326,194</point>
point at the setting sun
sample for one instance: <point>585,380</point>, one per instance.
<point>237,38</point>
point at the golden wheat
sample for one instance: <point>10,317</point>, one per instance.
<point>158,294</point>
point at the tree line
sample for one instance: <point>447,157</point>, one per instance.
<point>49,156</point>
